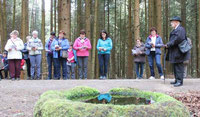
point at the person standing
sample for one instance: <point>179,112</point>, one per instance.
<point>139,58</point>
<point>153,46</point>
<point>175,56</point>
<point>104,47</point>
<point>59,46</point>
<point>26,57</point>
<point>71,62</point>
<point>49,54</point>
<point>14,46</point>
<point>35,48</point>
<point>82,45</point>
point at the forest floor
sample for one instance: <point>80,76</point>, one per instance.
<point>17,98</point>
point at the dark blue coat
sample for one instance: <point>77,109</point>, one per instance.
<point>25,52</point>
<point>174,54</point>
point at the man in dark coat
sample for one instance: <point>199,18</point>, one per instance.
<point>175,56</point>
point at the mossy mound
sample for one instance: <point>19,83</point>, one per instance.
<point>71,104</point>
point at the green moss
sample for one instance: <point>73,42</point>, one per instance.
<point>69,104</point>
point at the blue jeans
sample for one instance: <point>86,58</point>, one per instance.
<point>103,63</point>
<point>157,58</point>
<point>35,65</point>
<point>82,66</point>
<point>58,63</point>
<point>139,66</point>
<point>71,70</point>
<point>50,64</point>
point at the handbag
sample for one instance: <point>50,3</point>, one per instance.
<point>185,46</point>
<point>64,54</point>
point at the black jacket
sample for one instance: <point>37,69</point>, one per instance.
<point>174,54</point>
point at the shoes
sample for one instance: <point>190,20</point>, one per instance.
<point>178,84</point>
<point>173,82</point>
<point>13,79</point>
<point>152,78</point>
<point>162,77</point>
<point>18,79</point>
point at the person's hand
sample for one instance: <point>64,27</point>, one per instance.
<point>140,52</point>
<point>60,48</point>
<point>10,49</point>
<point>86,47</point>
<point>104,49</point>
<point>153,45</point>
<point>165,46</point>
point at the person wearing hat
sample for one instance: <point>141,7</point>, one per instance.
<point>174,55</point>
<point>49,54</point>
<point>82,46</point>
<point>58,46</point>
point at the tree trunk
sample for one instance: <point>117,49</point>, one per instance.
<point>136,19</point>
<point>66,18</point>
<point>198,44</point>
<point>59,15</point>
<point>24,21</point>
<point>1,28</point>
<point>94,38</point>
<point>44,66</point>
<point>51,16</point>
<point>55,15</point>
<point>183,12</point>
<point>129,72</point>
<point>88,29</point>
<point>14,9</point>
<point>79,16</point>
<point>4,15</point>
<point>159,17</point>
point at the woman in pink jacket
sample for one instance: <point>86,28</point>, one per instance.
<point>82,45</point>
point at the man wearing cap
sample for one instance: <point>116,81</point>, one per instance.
<point>175,56</point>
<point>49,54</point>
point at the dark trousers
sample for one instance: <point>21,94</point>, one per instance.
<point>14,68</point>
<point>151,58</point>
<point>71,70</point>
<point>178,72</point>
<point>103,63</point>
<point>5,73</point>
<point>82,66</point>
<point>28,65</point>
<point>58,63</point>
<point>50,64</point>
<point>139,66</point>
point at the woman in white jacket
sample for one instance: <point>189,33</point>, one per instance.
<point>14,46</point>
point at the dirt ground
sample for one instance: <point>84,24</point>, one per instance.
<point>17,98</point>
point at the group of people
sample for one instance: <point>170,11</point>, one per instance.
<point>62,56</point>
<point>152,48</point>
<point>65,55</point>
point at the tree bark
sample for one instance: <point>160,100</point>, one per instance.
<point>14,9</point>
<point>129,72</point>
<point>24,21</point>
<point>94,38</point>
<point>183,12</point>
<point>55,7</point>
<point>44,66</point>
<point>51,16</point>
<point>66,17</point>
<point>136,20</point>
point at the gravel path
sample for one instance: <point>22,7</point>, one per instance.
<point>19,97</point>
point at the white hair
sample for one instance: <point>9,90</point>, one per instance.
<point>35,32</point>
<point>14,32</point>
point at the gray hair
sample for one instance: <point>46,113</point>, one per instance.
<point>14,32</point>
<point>28,37</point>
<point>35,32</point>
